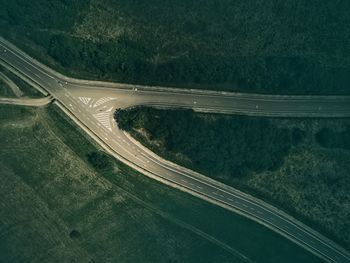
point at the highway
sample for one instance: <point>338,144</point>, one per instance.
<point>91,105</point>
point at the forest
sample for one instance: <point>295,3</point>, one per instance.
<point>332,139</point>
<point>299,165</point>
<point>222,147</point>
<point>290,47</point>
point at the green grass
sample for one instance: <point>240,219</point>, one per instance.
<point>223,147</point>
<point>279,160</point>
<point>27,90</point>
<point>252,46</point>
<point>5,90</point>
<point>56,207</point>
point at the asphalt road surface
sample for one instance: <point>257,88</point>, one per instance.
<point>93,104</point>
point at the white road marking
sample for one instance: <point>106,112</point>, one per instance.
<point>110,109</point>
<point>135,89</point>
<point>104,119</point>
<point>84,100</point>
<point>102,100</point>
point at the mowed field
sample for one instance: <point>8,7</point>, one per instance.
<point>56,206</point>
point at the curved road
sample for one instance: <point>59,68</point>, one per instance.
<point>91,104</point>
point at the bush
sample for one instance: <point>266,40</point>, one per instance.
<point>330,139</point>
<point>224,146</point>
<point>98,160</point>
<point>250,46</point>
<point>74,234</point>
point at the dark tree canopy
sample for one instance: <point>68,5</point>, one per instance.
<point>225,146</point>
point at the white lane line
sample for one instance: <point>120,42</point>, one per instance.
<point>142,161</point>
<point>183,180</point>
<point>298,234</point>
<point>200,187</point>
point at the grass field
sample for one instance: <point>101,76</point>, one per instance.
<point>5,90</point>
<point>56,207</point>
<point>252,46</point>
<point>300,165</point>
<point>26,89</point>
